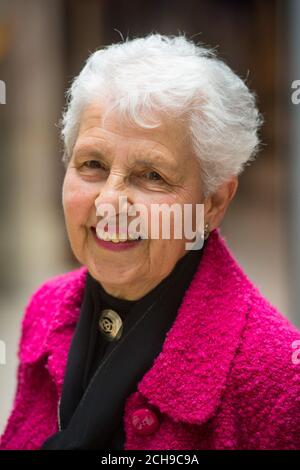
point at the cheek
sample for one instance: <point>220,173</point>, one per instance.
<point>77,201</point>
<point>174,245</point>
<point>155,219</point>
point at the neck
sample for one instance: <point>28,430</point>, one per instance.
<point>130,292</point>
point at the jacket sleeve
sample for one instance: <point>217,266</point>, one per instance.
<point>30,422</point>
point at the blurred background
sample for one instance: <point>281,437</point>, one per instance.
<point>43,45</point>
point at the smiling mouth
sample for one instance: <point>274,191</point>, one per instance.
<point>106,237</point>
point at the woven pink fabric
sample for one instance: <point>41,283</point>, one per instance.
<point>224,379</point>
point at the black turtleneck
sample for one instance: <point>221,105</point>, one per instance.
<point>98,342</point>
<point>123,307</point>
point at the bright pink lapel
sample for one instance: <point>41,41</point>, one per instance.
<point>189,375</point>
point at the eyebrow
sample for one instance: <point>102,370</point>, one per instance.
<point>157,158</point>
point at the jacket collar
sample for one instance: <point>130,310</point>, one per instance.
<point>188,377</point>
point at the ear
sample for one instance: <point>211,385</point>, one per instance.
<point>215,205</point>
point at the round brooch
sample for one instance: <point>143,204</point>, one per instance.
<point>110,324</point>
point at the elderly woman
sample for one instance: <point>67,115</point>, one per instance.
<point>152,343</point>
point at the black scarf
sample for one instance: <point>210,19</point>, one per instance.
<point>100,374</point>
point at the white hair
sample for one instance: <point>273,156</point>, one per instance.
<point>147,78</point>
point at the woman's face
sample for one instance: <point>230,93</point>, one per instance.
<point>147,166</point>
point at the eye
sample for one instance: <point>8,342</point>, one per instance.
<point>93,165</point>
<point>153,176</point>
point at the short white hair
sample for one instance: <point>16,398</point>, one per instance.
<point>149,77</point>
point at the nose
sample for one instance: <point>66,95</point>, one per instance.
<point>113,196</point>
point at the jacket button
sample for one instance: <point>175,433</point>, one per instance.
<point>144,421</point>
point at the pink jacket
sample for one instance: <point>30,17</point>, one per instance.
<point>226,377</point>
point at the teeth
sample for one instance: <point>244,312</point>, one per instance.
<point>102,235</point>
